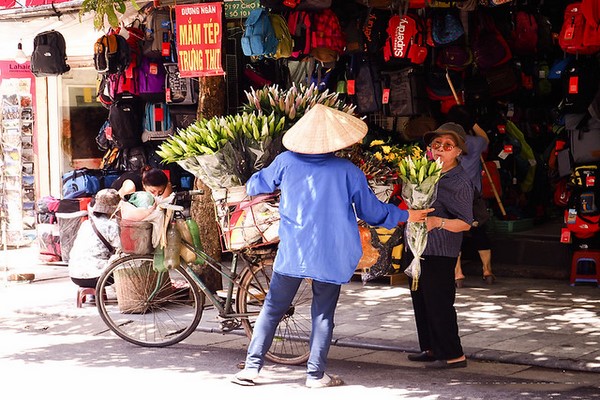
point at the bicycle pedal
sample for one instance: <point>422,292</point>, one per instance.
<point>227,325</point>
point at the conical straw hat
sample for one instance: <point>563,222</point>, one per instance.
<point>324,130</point>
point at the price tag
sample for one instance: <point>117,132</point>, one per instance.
<point>573,85</point>
<point>590,180</point>
<point>565,235</point>
<point>501,128</point>
<point>351,87</point>
<point>385,98</point>
<point>153,69</point>
<point>508,148</point>
<point>569,32</point>
<point>166,49</point>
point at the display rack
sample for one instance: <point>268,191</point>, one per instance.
<point>17,191</point>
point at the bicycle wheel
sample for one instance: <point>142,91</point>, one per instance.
<point>291,342</point>
<point>145,307</point>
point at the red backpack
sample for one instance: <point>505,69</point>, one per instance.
<point>327,40</point>
<point>525,33</point>
<point>576,36</point>
<point>591,34</point>
<point>299,23</point>
<point>405,39</point>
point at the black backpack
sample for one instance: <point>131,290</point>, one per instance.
<point>49,57</point>
<point>112,54</point>
<point>126,120</point>
<point>407,93</point>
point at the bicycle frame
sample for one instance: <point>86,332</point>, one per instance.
<point>224,307</point>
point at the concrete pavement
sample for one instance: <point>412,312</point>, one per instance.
<point>536,322</point>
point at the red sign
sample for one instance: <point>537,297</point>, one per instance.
<point>199,34</point>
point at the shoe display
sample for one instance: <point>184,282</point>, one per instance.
<point>443,364</point>
<point>245,377</point>
<point>421,357</point>
<point>325,381</point>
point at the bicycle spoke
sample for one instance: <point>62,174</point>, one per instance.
<point>290,345</point>
<point>150,309</point>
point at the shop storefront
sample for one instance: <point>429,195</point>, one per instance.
<point>399,84</point>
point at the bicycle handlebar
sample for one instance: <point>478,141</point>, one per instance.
<point>173,207</point>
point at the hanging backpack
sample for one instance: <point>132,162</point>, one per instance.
<point>404,92</point>
<point>446,27</point>
<point>49,57</point>
<point>574,30</point>
<point>591,34</point>
<point>525,33</point>
<point>157,122</point>
<point>151,78</point>
<point>126,119</point>
<point>327,38</point>
<point>490,49</point>
<point>259,38</point>
<point>111,54</point>
<point>300,26</point>
<point>158,35</point>
<point>178,90</point>
<point>580,83</point>
<point>282,33</point>
<point>364,84</point>
<point>584,134</point>
<point>405,39</point>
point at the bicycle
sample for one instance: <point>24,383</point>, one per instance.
<point>159,309</point>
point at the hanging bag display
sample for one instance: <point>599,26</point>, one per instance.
<point>49,57</point>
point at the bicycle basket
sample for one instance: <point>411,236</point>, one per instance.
<point>245,221</point>
<point>136,237</point>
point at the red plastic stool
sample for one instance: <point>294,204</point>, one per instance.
<point>589,256</point>
<point>82,293</point>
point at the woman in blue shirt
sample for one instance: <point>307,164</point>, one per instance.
<point>321,198</point>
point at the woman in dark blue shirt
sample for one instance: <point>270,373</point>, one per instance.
<point>433,301</point>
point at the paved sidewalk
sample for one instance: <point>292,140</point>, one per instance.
<point>536,322</point>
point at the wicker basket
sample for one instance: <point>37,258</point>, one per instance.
<point>136,237</point>
<point>134,285</point>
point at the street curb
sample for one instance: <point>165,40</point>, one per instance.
<point>480,355</point>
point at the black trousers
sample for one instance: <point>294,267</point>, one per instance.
<point>433,305</point>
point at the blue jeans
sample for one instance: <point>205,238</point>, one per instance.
<point>281,293</point>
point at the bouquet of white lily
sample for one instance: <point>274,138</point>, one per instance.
<point>419,190</point>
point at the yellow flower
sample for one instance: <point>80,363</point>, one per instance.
<point>378,156</point>
<point>386,149</point>
<point>376,143</point>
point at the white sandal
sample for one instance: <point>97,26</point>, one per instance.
<point>325,381</point>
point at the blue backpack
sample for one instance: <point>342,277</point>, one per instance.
<point>157,122</point>
<point>259,36</point>
<point>79,183</point>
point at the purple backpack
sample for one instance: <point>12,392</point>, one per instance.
<point>151,80</point>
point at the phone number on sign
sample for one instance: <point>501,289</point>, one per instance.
<point>239,8</point>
